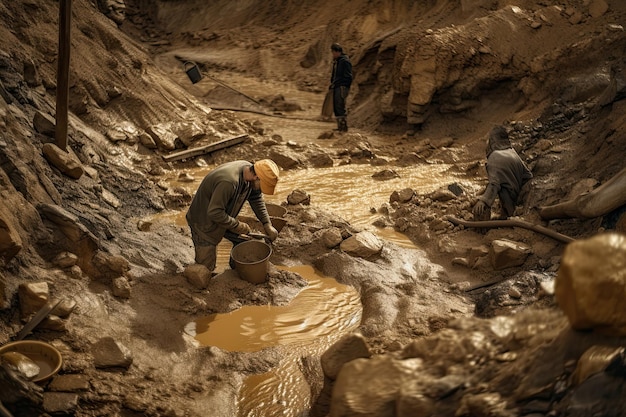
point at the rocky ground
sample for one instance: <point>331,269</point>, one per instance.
<point>481,329</point>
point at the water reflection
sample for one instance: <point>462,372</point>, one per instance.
<point>323,308</point>
<point>317,317</point>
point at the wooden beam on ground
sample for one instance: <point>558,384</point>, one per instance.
<point>203,150</point>
<point>487,224</point>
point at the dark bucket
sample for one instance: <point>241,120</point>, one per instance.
<point>193,72</point>
<point>251,260</point>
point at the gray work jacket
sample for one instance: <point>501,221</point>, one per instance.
<point>219,200</point>
<point>505,169</point>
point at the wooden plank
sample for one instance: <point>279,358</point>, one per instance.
<point>202,150</point>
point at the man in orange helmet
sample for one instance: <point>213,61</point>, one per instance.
<point>213,212</point>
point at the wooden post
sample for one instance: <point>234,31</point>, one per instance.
<point>63,73</point>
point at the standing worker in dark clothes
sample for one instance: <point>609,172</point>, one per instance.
<point>507,175</point>
<point>218,200</point>
<point>340,82</point>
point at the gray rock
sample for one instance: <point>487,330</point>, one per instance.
<point>60,402</point>
<point>69,383</point>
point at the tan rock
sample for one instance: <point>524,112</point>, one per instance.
<point>349,347</point>
<point>65,260</point>
<point>595,360</point>
<point>299,197</point>
<point>507,253</point>
<point>4,302</point>
<point>121,287</point>
<point>108,353</point>
<point>163,137</point>
<point>60,402</point>
<point>44,124</point>
<point>198,275</point>
<point>363,245</point>
<point>384,375</point>
<point>70,383</point>
<point>413,402</point>
<point>332,237</point>
<point>402,196</point>
<point>10,241</point>
<point>590,286</point>
<point>32,297</point>
<point>598,8</point>
<point>65,162</point>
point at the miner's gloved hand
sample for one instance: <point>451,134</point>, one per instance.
<point>270,231</point>
<point>480,209</point>
<point>242,228</point>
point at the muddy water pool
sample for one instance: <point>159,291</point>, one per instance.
<point>317,317</point>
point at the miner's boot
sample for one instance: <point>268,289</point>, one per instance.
<point>343,124</point>
<point>338,128</point>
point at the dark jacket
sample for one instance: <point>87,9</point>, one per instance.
<point>219,200</point>
<point>505,169</point>
<point>342,72</point>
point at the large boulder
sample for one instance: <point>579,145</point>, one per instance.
<point>385,378</point>
<point>349,347</point>
<point>591,283</point>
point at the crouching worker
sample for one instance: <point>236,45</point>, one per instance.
<point>507,174</point>
<point>213,212</point>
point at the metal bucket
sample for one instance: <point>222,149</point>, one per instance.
<point>251,260</point>
<point>193,72</point>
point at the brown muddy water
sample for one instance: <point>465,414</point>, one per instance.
<point>316,318</point>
